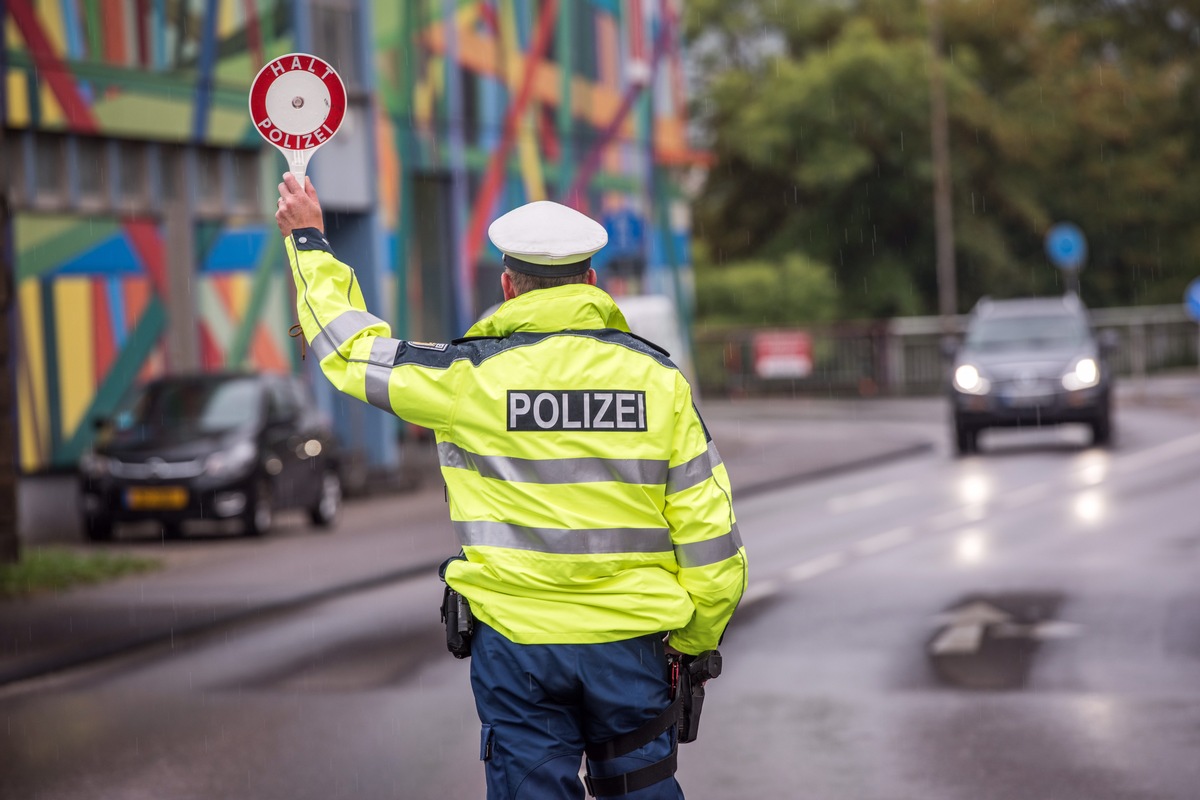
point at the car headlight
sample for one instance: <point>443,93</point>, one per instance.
<point>95,466</point>
<point>232,460</point>
<point>1084,375</point>
<point>968,379</point>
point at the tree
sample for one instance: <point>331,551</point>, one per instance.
<point>818,114</point>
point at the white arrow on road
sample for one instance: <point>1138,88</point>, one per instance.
<point>966,624</point>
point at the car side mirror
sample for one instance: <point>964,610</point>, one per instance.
<point>1109,340</point>
<point>948,346</point>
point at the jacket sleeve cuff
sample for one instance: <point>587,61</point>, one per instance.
<point>311,239</point>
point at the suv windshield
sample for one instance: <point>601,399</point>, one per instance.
<point>205,405</point>
<point>1027,333</point>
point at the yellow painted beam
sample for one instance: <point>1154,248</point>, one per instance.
<point>76,363</point>
<point>32,407</point>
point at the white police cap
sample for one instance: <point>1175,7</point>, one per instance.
<point>547,239</point>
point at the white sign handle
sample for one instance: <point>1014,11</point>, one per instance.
<point>297,161</point>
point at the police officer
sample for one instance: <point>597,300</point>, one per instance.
<point>592,507</point>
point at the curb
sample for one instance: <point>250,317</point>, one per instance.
<point>38,667</point>
<point>855,465</point>
<point>41,666</point>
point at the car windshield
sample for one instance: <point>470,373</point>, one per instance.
<point>1027,333</point>
<point>205,405</point>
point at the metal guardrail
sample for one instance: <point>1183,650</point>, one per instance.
<point>903,356</point>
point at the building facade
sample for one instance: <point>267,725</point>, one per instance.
<point>143,196</point>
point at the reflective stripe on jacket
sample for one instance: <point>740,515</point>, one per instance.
<point>590,501</point>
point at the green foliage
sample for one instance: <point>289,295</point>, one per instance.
<point>818,113</point>
<point>54,569</point>
<point>792,291</point>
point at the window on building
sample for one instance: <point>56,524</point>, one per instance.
<point>14,168</point>
<point>91,169</point>
<point>334,29</point>
<point>133,184</point>
<point>210,196</point>
<point>50,175</point>
<point>245,178</point>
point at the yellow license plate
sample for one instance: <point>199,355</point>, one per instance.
<point>156,498</point>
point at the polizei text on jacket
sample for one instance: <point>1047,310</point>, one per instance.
<point>576,410</point>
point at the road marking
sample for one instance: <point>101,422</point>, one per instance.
<point>965,627</point>
<point>1026,495</point>
<point>1163,452</point>
<point>760,591</point>
<point>816,566</point>
<point>964,630</point>
<point>1041,631</point>
<point>958,639</point>
<point>884,541</point>
<point>870,497</point>
<point>949,520</point>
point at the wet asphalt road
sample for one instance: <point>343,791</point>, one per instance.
<point>1020,624</point>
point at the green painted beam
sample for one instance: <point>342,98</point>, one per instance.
<point>134,80</point>
<point>50,353</point>
<point>121,376</point>
<point>48,255</point>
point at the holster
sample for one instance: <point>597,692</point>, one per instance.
<point>457,617</point>
<point>694,673</point>
<point>688,676</point>
<point>459,621</point>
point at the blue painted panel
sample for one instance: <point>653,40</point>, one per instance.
<point>113,256</point>
<point>236,250</point>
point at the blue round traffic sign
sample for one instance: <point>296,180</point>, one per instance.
<point>1066,246</point>
<point>1191,299</point>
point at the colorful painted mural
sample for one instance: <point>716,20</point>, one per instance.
<point>579,101</point>
<point>88,312</point>
<point>145,69</point>
<point>476,106</point>
<point>92,286</point>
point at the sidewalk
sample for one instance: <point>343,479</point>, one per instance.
<point>208,582</point>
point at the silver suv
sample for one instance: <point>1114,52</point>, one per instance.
<point>1029,363</point>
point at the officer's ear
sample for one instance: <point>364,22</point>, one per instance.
<point>591,277</point>
<point>506,284</point>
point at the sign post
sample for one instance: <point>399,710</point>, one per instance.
<point>297,103</point>
<point>1191,304</point>
<point>1067,248</point>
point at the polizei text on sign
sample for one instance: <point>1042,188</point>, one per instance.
<point>576,410</point>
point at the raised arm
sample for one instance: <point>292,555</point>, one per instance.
<point>354,347</point>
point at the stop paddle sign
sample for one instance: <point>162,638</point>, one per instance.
<point>297,103</point>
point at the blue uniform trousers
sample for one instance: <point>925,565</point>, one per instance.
<point>539,704</point>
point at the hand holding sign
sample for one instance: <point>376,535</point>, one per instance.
<point>297,103</point>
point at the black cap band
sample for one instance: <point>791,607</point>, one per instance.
<point>548,270</point>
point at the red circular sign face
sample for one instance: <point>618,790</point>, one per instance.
<point>297,102</point>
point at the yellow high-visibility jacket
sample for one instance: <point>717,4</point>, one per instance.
<point>588,497</point>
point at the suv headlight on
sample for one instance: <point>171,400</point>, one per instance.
<point>95,466</point>
<point>231,461</point>
<point>967,378</point>
<point>1084,375</point>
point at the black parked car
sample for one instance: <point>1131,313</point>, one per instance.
<point>232,446</point>
<point>1030,362</point>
